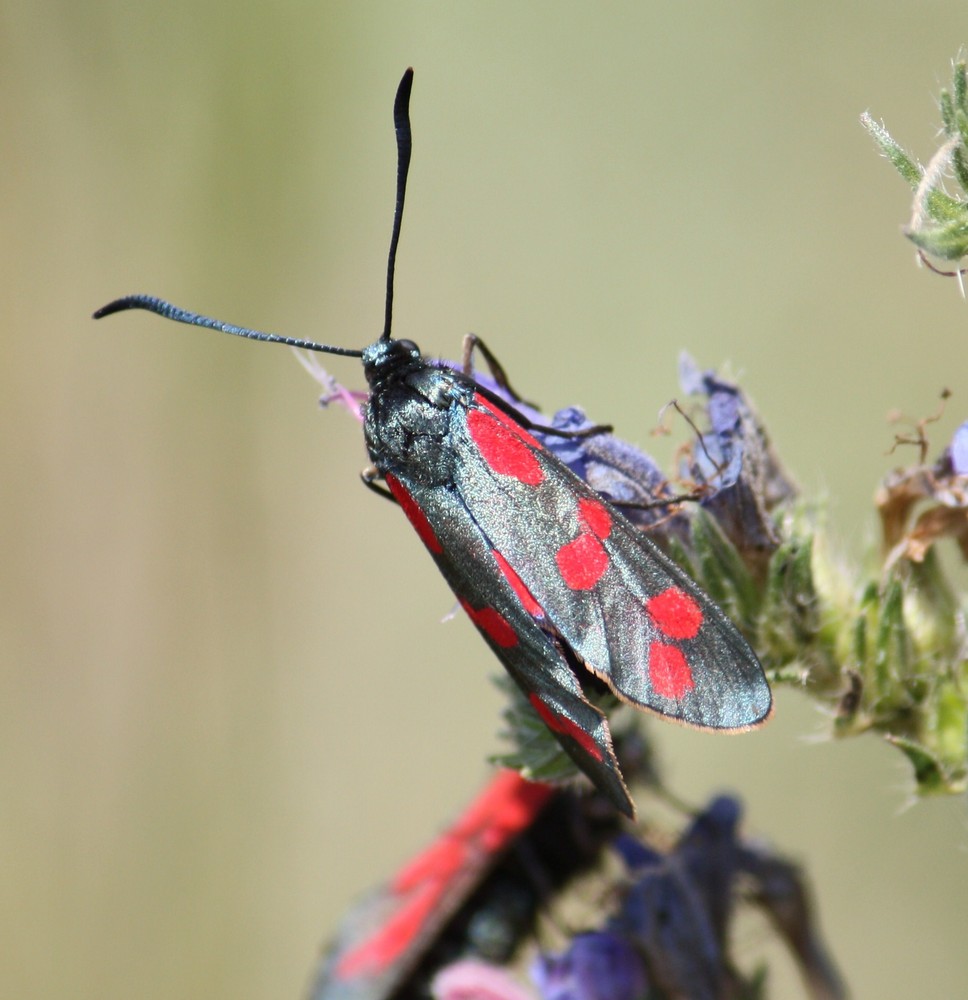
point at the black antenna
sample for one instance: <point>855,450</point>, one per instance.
<point>401,122</point>
<point>169,311</point>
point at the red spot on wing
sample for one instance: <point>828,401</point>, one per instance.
<point>414,514</point>
<point>594,517</point>
<point>582,562</point>
<point>562,724</point>
<point>524,595</point>
<point>380,951</point>
<point>493,624</point>
<point>675,613</point>
<point>508,421</point>
<point>504,445</point>
<point>504,809</point>
<point>668,671</point>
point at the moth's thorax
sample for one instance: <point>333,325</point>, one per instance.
<point>408,416</point>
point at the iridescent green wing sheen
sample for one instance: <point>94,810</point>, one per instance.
<point>512,624</point>
<point>628,613</point>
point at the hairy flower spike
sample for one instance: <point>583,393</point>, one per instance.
<point>939,221</point>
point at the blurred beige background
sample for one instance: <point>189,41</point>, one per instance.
<point>227,705</point>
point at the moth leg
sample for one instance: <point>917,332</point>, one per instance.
<point>666,501</point>
<point>586,432</point>
<point>370,475</point>
<point>471,343</point>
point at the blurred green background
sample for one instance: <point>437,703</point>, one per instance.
<point>227,702</point>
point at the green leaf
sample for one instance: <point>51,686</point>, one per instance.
<point>902,161</point>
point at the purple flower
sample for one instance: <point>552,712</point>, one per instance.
<point>958,450</point>
<point>733,460</point>
<point>635,855</point>
<point>709,853</point>
<point>955,458</point>
<point>599,965</point>
<point>664,917</point>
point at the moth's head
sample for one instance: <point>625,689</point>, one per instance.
<point>387,358</point>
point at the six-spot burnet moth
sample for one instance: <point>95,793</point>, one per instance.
<point>561,586</point>
<point>476,891</point>
<point>454,918</point>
